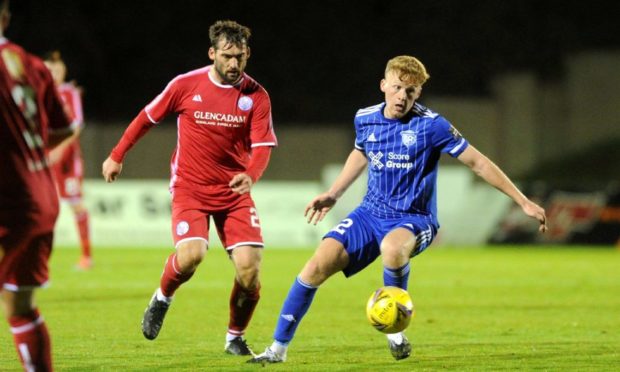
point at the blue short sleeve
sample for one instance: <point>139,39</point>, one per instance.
<point>447,138</point>
<point>359,135</point>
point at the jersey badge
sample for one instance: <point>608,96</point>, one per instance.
<point>197,98</point>
<point>408,137</point>
<point>371,138</point>
<point>182,228</point>
<point>245,103</point>
<point>455,133</point>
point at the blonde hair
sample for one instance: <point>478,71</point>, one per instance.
<point>409,69</point>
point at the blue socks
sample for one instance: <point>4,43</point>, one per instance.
<point>396,277</point>
<point>300,298</point>
<point>297,303</point>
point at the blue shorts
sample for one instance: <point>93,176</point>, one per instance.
<point>361,234</point>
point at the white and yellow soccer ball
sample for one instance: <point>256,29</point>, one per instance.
<point>390,309</point>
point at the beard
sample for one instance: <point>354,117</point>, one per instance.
<point>229,77</point>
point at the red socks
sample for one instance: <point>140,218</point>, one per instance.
<point>242,305</point>
<point>242,302</point>
<point>32,341</point>
<point>81,220</point>
<point>172,278</point>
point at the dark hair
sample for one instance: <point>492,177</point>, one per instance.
<point>231,31</point>
<point>52,56</point>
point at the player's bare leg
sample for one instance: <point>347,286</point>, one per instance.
<point>179,268</point>
<point>329,258</point>
<point>396,250</point>
<point>243,298</point>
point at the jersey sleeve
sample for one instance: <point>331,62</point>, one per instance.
<point>447,138</point>
<point>359,137</point>
<point>261,132</point>
<point>258,162</point>
<point>165,103</point>
<point>136,130</point>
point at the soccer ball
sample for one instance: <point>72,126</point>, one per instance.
<point>390,309</point>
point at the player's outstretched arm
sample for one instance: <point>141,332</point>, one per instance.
<point>485,168</point>
<point>320,205</point>
<point>111,170</point>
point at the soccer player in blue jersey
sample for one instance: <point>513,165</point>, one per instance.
<point>400,141</point>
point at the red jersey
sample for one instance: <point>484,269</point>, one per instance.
<point>72,154</point>
<point>218,125</point>
<point>72,99</point>
<point>29,107</point>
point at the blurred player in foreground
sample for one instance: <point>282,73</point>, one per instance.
<point>225,136</point>
<point>400,141</point>
<point>31,118</point>
<point>66,158</point>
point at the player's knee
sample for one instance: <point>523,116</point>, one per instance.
<point>248,271</point>
<point>395,254</point>
<point>78,208</point>
<point>17,303</point>
<point>247,260</point>
<point>191,255</point>
<point>248,279</point>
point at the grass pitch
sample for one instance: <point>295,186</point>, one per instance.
<point>516,308</point>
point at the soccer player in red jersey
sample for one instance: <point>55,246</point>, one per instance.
<point>66,158</point>
<point>31,118</point>
<point>225,136</point>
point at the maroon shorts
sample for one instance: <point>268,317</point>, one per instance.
<point>236,225</point>
<point>25,257</point>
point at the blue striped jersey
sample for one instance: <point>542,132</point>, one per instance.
<point>403,156</point>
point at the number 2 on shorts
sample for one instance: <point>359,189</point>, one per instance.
<point>346,223</point>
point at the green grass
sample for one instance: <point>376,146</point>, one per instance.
<point>476,309</point>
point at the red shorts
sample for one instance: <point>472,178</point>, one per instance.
<point>25,257</point>
<point>236,225</point>
<point>69,173</point>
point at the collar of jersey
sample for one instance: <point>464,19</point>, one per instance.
<point>400,121</point>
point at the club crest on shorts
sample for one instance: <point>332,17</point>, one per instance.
<point>408,137</point>
<point>245,103</point>
<point>182,228</point>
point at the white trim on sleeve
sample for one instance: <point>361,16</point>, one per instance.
<point>263,144</point>
<point>458,147</point>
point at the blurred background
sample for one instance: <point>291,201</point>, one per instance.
<point>535,85</point>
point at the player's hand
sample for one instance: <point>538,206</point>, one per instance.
<point>111,170</point>
<point>318,207</point>
<point>534,210</point>
<point>241,183</point>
